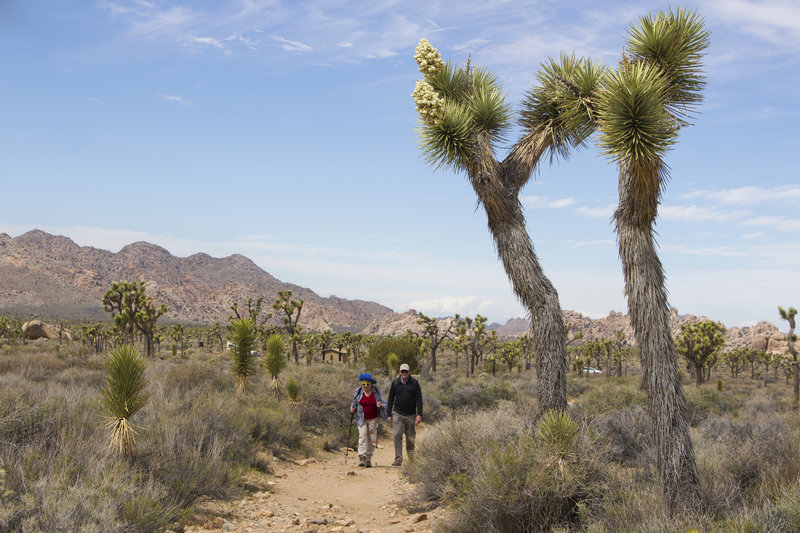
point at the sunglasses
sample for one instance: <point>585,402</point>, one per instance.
<point>404,371</point>
<point>365,383</point>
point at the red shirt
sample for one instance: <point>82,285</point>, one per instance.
<point>370,406</point>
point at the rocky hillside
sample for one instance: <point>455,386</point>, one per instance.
<point>763,334</point>
<point>55,278</point>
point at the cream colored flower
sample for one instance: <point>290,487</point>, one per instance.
<point>428,58</point>
<point>430,105</point>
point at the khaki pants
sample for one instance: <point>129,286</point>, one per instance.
<point>403,424</point>
<point>368,437</point>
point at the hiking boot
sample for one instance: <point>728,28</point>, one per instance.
<point>397,462</point>
<point>368,463</point>
<point>362,461</point>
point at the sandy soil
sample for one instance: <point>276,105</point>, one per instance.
<point>326,494</point>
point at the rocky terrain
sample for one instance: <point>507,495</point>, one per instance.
<point>55,278</point>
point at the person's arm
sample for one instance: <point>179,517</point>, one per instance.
<point>418,398</point>
<point>354,403</point>
<point>391,402</point>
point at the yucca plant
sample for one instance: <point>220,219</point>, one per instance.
<point>293,389</point>
<point>557,433</point>
<point>275,360</point>
<point>123,396</point>
<point>243,338</point>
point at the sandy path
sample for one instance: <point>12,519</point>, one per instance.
<point>327,494</point>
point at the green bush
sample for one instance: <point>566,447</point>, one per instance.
<point>377,359</point>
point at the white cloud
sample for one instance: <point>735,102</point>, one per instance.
<point>541,202</point>
<point>216,43</point>
<point>777,223</point>
<point>695,213</point>
<point>777,21</point>
<point>597,212</point>
<point>174,98</point>
<point>748,195</point>
<point>291,46</point>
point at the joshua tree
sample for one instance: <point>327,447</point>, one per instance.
<point>700,343</point>
<point>788,315</point>
<point>133,311</point>
<point>435,336</point>
<point>123,396</point>
<point>641,108</point>
<point>243,338</point>
<point>274,359</point>
<point>289,307</point>
<point>464,119</point>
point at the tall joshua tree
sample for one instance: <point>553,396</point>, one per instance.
<point>464,118</point>
<point>789,316</point>
<point>641,108</point>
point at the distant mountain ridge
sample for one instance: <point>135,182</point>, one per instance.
<point>54,277</point>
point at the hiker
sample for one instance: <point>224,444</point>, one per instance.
<point>405,410</point>
<point>367,403</point>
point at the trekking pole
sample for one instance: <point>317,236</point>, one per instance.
<point>349,431</point>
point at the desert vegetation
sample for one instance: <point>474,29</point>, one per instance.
<point>490,453</point>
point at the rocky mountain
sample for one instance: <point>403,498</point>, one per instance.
<point>55,278</point>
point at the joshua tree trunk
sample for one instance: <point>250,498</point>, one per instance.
<point>649,313</point>
<point>497,187</point>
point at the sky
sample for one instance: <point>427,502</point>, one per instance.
<point>285,131</point>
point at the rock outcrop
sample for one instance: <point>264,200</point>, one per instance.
<point>36,329</point>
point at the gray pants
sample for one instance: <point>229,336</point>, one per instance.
<point>403,424</point>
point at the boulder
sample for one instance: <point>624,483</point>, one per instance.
<point>36,329</point>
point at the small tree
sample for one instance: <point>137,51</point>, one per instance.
<point>789,316</point>
<point>123,396</point>
<point>431,330</point>
<point>274,359</point>
<point>699,343</point>
<point>243,338</point>
<point>293,389</point>
<point>133,311</point>
<point>292,309</point>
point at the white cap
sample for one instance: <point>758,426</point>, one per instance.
<point>404,366</point>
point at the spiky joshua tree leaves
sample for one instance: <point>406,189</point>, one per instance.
<point>464,119</point>
<point>123,396</point>
<point>275,360</point>
<point>243,338</point>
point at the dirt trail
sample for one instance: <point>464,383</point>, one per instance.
<point>327,494</point>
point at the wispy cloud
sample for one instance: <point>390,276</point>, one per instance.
<point>541,202</point>
<point>748,195</point>
<point>597,212</point>
<point>174,98</point>
<point>291,46</point>
<point>694,213</point>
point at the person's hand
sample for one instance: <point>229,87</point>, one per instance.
<point>380,405</point>
<point>352,409</point>
<point>389,419</point>
<point>419,419</point>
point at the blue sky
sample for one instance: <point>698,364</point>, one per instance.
<point>284,131</point>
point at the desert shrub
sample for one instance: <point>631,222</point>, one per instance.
<point>740,460</point>
<point>608,395</point>
<point>431,406</point>
<point>627,432</point>
<point>468,395</point>
<point>325,409</point>
<point>534,481</point>
<point>377,360</point>
<point>453,448</point>
<point>702,402</point>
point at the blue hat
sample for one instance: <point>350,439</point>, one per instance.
<point>366,376</point>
